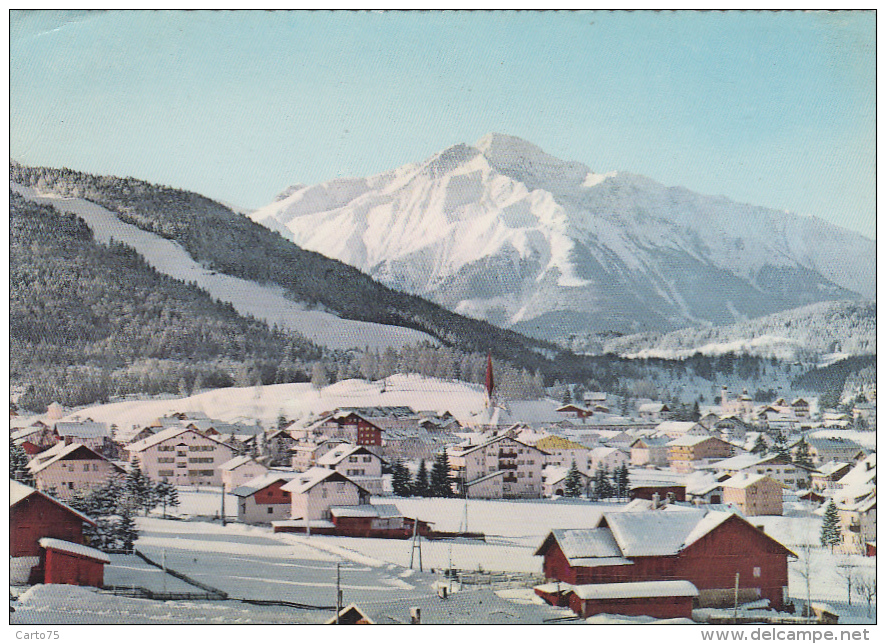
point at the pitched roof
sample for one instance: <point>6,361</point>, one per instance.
<point>382,510</point>
<point>495,440</point>
<point>87,429</point>
<point>674,588</point>
<point>237,461</point>
<point>74,549</point>
<point>304,481</point>
<point>583,544</point>
<point>18,492</point>
<point>645,534</point>
<point>261,482</point>
<point>558,442</point>
<point>65,451</point>
<point>690,441</point>
<point>338,454</point>
<point>166,434</point>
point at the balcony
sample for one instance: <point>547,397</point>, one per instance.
<point>504,454</point>
<point>507,466</point>
<point>509,479</point>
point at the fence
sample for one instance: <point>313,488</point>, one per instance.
<point>144,593</point>
<point>500,579</point>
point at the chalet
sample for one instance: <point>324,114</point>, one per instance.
<point>823,450</point>
<point>574,411</point>
<point>314,492</point>
<point>858,523</point>
<point>800,407</point>
<point>88,432</point>
<point>38,436</point>
<point>71,468</point>
<point>554,478</point>
<point>240,469</point>
<point>305,454</point>
<point>562,452</point>
<point>826,477</point>
<point>514,465</point>
<point>376,520</point>
<point>789,474</point>
<point>349,426</point>
<point>651,491</point>
<point>688,451</point>
<point>35,516</point>
<point>263,499</point>
<point>608,458</point>
<point>754,494</point>
<point>358,463</point>
<point>705,548</point>
<point>653,411</point>
<point>181,456</point>
<point>709,419</point>
<point>650,450</point>
<point>680,428</point>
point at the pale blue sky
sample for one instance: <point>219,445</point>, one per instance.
<point>772,109</point>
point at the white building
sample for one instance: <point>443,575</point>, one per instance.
<point>263,499</point>
<point>358,463</point>
<point>239,470</point>
<point>181,456</point>
<point>314,492</point>
<point>501,467</point>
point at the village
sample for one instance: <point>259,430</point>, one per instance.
<point>753,513</point>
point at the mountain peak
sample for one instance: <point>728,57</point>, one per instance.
<point>529,164</point>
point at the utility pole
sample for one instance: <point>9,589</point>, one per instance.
<point>164,571</point>
<point>416,545</point>
<point>224,523</point>
<point>338,593</point>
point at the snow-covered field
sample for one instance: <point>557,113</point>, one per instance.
<point>298,400</point>
<point>248,298</point>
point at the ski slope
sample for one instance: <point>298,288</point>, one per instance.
<point>248,298</point>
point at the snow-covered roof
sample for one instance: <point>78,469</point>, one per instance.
<point>301,523</point>
<point>87,429</point>
<point>338,454</point>
<point>558,442</point>
<point>18,492</point>
<point>166,434</point>
<point>382,511</point>
<point>652,441</point>
<point>710,521</point>
<point>304,481</point>
<point>651,408</point>
<point>646,534</point>
<point>689,441</point>
<point>40,464</point>
<point>675,588</point>
<point>588,543</point>
<point>602,452</point>
<point>466,449</point>
<point>74,549</point>
<point>738,462</point>
<point>238,461</point>
<point>261,482</point>
<point>832,467</point>
<point>744,480</point>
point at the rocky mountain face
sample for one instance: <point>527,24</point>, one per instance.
<point>504,232</point>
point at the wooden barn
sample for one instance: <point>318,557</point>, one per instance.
<point>64,562</point>
<point>661,599</point>
<point>665,491</point>
<point>706,548</point>
<point>34,517</point>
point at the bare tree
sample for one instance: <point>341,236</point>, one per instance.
<point>846,570</point>
<point>866,586</point>
<point>806,569</point>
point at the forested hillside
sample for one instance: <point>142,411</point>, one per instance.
<point>231,243</point>
<point>88,321</point>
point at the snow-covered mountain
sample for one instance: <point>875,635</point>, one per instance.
<point>502,231</point>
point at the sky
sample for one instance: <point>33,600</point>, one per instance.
<point>773,109</point>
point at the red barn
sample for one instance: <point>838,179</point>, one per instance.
<point>33,516</point>
<point>72,563</point>
<point>703,547</point>
<point>661,599</point>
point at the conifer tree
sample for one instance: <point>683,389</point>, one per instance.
<point>400,478</point>
<point>573,481</point>
<point>421,485</point>
<point>622,481</point>
<point>125,532</point>
<point>830,527</point>
<point>441,485</point>
<point>802,456</point>
<point>167,495</point>
<point>760,447</point>
<point>18,465</point>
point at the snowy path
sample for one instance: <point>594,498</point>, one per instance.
<point>248,298</point>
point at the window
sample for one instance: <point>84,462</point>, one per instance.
<point>352,459</point>
<point>207,472</point>
<point>270,509</point>
<point>367,459</point>
<point>165,473</point>
<point>95,467</point>
<point>86,467</point>
<point>756,571</point>
<point>181,465</point>
<point>324,492</point>
<point>70,485</point>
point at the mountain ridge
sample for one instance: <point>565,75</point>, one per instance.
<point>505,232</point>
